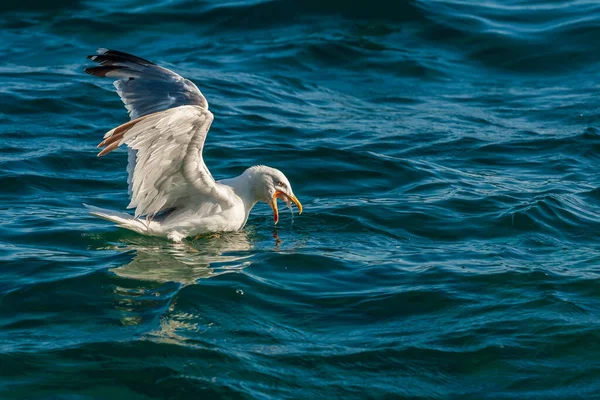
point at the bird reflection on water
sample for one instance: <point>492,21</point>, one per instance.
<point>150,285</point>
<point>161,261</point>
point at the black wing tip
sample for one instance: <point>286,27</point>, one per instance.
<point>116,56</point>
<point>104,69</point>
<point>89,70</point>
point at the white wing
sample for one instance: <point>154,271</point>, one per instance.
<point>170,122</point>
<point>169,170</point>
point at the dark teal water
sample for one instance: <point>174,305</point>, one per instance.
<point>446,153</point>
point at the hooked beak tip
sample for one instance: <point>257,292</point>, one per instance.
<point>297,203</point>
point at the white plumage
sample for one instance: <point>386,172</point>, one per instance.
<point>171,189</point>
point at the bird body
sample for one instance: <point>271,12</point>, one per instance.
<point>171,189</point>
<point>194,218</point>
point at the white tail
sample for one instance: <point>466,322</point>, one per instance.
<point>122,219</point>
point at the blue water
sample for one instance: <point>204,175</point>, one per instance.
<point>446,153</point>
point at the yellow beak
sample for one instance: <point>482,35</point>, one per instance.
<point>284,197</point>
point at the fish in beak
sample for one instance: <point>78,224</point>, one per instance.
<point>288,200</point>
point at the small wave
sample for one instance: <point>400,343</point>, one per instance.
<point>516,36</point>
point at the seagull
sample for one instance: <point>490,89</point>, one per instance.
<point>173,192</point>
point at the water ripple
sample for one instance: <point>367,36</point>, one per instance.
<point>446,156</point>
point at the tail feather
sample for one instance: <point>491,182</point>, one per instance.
<point>122,219</point>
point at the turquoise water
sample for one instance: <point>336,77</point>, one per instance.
<point>446,153</point>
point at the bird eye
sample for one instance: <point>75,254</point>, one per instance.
<point>281,184</point>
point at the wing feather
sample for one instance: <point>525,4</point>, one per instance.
<point>143,86</point>
<point>169,169</point>
<point>165,137</point>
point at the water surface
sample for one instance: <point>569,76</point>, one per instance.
<point>446,153</point>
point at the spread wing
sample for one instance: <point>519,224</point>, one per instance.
<point>143,86</point>
<point>165,136</point>
<point>169,170</point>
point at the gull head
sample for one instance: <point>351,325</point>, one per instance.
<point>270,184</point>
